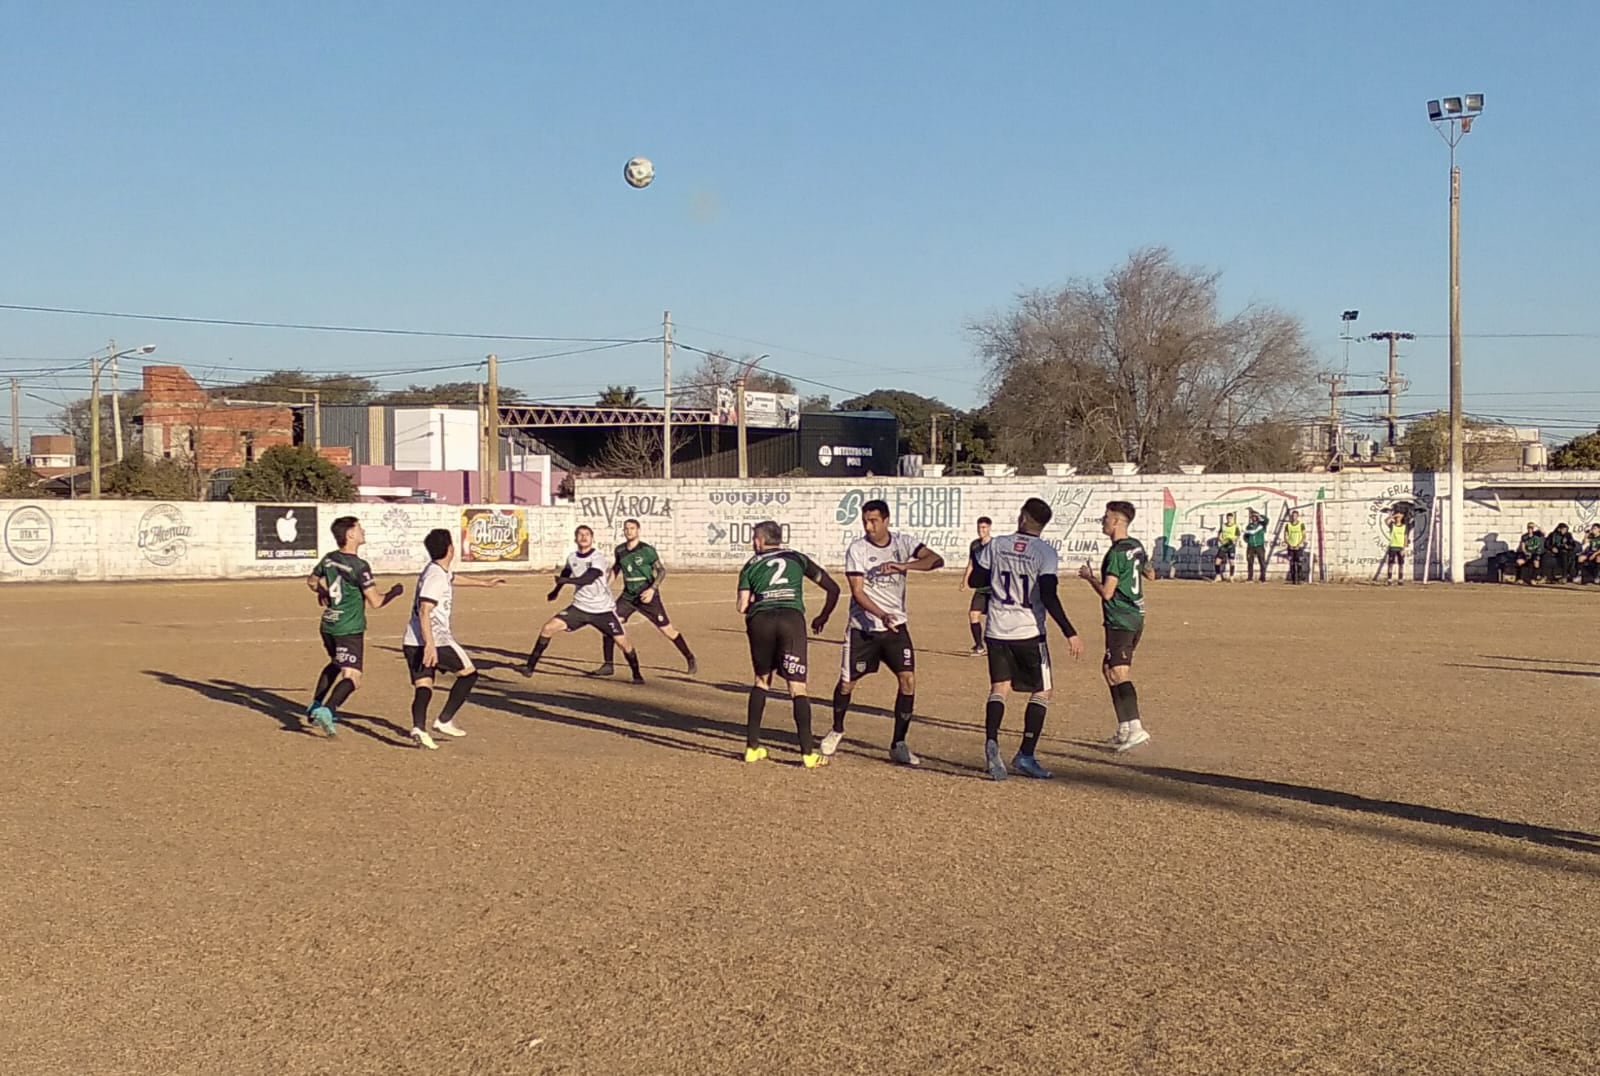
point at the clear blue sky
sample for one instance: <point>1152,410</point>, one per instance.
<point>846,183</point>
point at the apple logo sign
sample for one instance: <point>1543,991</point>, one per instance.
<point>288,528</point>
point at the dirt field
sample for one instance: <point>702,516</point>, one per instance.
<point>1363,840</point>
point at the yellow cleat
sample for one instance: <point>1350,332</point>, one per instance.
<point>814,760</point>
<point>755,754</point>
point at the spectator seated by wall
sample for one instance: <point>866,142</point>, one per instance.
<point>1530,554</point>
<point>1561,555</point>
<point>1589,556</point>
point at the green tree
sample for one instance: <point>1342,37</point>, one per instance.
<point>144,478</point>
<point>284,473</point>
<point>915,414</point>
<point>1426,443</point>
<point>447,392</point>
<point>1579,454</point>
<point>280,387</point>
<point>76,419</point>
<point>810,405</point>
<point>621,396</point>
<point>18,480</point>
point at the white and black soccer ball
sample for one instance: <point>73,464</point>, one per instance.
<point>639,172</point>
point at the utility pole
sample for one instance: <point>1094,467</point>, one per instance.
<point>666,394</point>
<point>1393,382</point>
<point>738,392</point>
<point>316,413</point>
<point>94,428</point>
<point>933,437</point>
<point>491,458</point>
<point>16,421</point>
<point>1335,435</point>
<point>116,401</point>
<point>483,439</point>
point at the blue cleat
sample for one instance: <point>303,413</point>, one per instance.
<point>324,719</point>
<point>1029,766</point>
<point>993,762</point>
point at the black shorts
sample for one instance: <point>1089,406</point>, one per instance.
<point>576,619</point>
<point>1396,556</point>
<point>1024,663</point>
<point>1225,551</point>
<point>452,659</point>
<point>864,651</point>
<point>979,602</point>
<point>778,643</point>
<point>1120,645</point>
<point>652,610</point>
<point>345,651</point>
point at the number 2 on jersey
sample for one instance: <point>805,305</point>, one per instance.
<point>1007,597</point>
<point>777,579</point>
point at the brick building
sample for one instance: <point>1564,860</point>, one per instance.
<point>179,419</point>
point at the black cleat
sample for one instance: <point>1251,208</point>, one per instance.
<point>604,670</point>
<point>693,668</point>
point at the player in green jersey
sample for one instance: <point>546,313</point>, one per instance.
<point>1120,584</point>
<point>641,570</point>
<point>1589,556</point>
<point>772,599</point>
<point>345,589</point>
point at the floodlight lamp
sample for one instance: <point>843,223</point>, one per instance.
<point>147,349</point>
<point>1452,106</point>
<point>1435,113</point>
<point>1350,315</point>
<point>1474,102</point>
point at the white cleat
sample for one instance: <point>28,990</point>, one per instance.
<point>1120,736</point>
<point>901,753</point>
<point>831,742</point>
<point>1135,738</point>
<point>449,728</point>
<point>422,739</point>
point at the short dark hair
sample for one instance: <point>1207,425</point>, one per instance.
<point>438,543</point>
<point>1121,508</point>
<point>1038,511</point>
<point>635,522</point>
<point>342,527</point>
<point>985,519</point>
<point>583,527</point>
<point>880,507</point>
<point>770,533</point>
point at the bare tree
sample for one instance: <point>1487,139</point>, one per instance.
<point>717,371</point>
<point>1139,366</point>
<point>635,452</point>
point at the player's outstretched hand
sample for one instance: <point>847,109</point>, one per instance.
<point>394,592</point>
<point>1075,646</point>
<point>1086,572</point>
<point>818,624</point>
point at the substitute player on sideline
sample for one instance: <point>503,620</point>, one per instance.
<point>429,646</point>
<point>1120,585</point>
<point>1022,575</point>
<point>978,579</point>
<point>346,590</point>
<point>772,599</point>
<point>875,566</point>
<point>592,607</point>
<point>642,572</point>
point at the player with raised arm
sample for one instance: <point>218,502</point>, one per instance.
<point>592,606</point>
<point>345,589</point>
<point>1022,576</point>
<point>772,599</point>
<point>1120,584</point>
<point>642,572</point>
<point>977,578</point>
<point>430,647</point>
<point>875,567</point>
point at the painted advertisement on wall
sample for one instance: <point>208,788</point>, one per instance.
<point>286,532</point>
<point>496,535</point>
<point>163,535</point>
<point>29,535</point>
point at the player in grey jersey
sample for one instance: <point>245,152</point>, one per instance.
<point>875,566</point>
<point>592,605</point>
<point>1022,578</point>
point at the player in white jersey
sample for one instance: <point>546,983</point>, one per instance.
<point>429,645</point>
<point>592,605</point>
<point>1022,579</point>
<point>875,566</point>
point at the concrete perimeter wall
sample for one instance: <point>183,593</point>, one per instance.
<point>706,524</point>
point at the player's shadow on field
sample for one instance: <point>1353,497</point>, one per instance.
<point>633,719</point>
<point>1562,661</point>
<point>287,712</point>
<point>822,704</point>
<point>820,640</point>
<point>1529,669</point>
<point>1121,775</point>
<point>516,659</point>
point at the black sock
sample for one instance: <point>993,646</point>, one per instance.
<point>683,648</point>
<point>903,705</point>
<point>757,703</point>
<point>993,714</point>
<point>458,695</point>
<point>977,632</point>
<point>608,649</point>
<point>1125,701</point>
<point>802,724</point>
<point>633,664</point>
<point>538,651</point>
<point>1033,724</point>
<point>330,672</point>
<point>419,707</point>
<point>841,706</point>
<point>341,691</point>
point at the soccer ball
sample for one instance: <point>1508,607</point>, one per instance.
<point>639,172</point>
